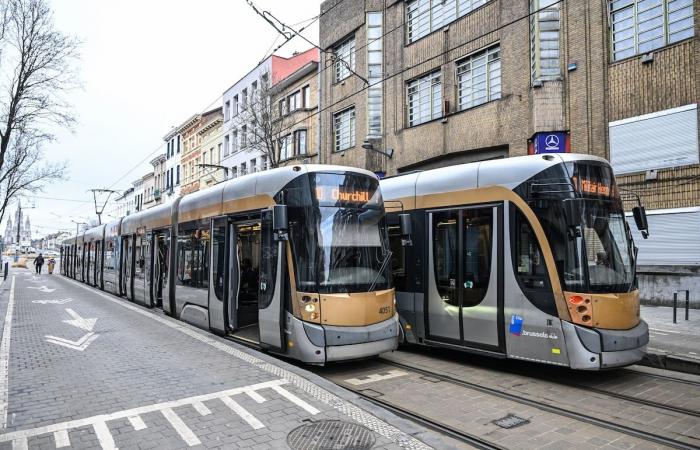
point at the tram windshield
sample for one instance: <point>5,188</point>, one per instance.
<point>337,233</point>
<point>597,255</point>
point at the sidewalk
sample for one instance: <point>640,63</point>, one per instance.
<point>673,346</point>
<point>84,369</point>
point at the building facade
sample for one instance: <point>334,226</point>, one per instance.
<point>420,84</point>
<point>241,154</point>
<point>198,139</point>
<point>294,102</point>
<point>173,141</point>
<point>211,137</point>
<point>159,178</point>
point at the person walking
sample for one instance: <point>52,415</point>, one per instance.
<point>52,264</point>
<point>38,262</point>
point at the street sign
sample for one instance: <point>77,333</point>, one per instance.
<point>550,142</point>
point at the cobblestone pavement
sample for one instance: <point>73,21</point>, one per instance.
<point>475,412</point>
<point>681,338</point>
<point>84,369</point>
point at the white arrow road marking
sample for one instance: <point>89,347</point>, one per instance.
<point>42,289</point>
<point>80,322</point>
<point>60,301</point>
<point>80,345</point>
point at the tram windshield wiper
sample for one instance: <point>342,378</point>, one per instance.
<point>381,270</point>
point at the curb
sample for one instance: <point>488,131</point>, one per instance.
<point>675,363</point>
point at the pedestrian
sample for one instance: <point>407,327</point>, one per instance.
<point>38,262</point>
<point>52,264</point>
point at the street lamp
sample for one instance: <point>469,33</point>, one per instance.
<point>77,226</point>
<point>215,166</point>
<point>389,153</point>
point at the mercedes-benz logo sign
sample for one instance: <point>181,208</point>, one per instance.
<point>552,141</point>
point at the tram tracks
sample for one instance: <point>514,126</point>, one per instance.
<point>554,409</point>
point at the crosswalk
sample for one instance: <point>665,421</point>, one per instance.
<point>99,423</point>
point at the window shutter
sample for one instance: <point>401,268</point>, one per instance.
<point>669,243</point>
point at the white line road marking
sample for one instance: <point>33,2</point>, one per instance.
<point>60,301</point>
<point>310,388</point>
<point>183,430</point>
<point>296,400</point>
<point>376,377</point>
<point>656,333</point>
<point>61,438</point>
<point>42,289</point>
<point>243,413</point>
<point>137,423</point>
<point>665,331</point>
<point>255,396</point>
<point>80,322</point>
<point>20,444</point>
<point>140,411</point>
<point>201,408</point>
<point>79,345</point>
<point>104,436</point>
<point>5,357</point>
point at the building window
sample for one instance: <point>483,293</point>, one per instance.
<point>243,169</point>
<point>178,175</point>
<point>227,145</point>
<point>283,107</point>
<point>235,105</point>
<point>253,91</point>
<point>244,99</point>
<point>234,172</point>
<point>425,16</point>
<point>244,136</point>
<point>300,142</point>
<point>344,55</point>
<point>544,40</point>
<point>641,26</point>
<point>375,71</point>
<point>178,144</point>
<point>479,78</point>
<point>306,95</point>
<point>424,99</point>
<point>344,129</point>
<point>227,110</point>
<point>253,166</point>
<point>234,142</point>
<point>263,162</point>
<point>294,101</point>
<point>285,145</point>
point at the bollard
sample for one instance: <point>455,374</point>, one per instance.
<point>687,303</point>
<point>6,270</point>
<point>675,305</point>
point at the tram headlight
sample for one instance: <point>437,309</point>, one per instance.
<point>310,307</point>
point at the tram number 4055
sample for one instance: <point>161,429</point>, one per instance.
<point>384,310</point>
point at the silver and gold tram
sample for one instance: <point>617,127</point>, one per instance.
<point>528,258</point>
<point>294,260</point>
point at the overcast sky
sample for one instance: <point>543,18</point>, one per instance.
<point>146,66</point>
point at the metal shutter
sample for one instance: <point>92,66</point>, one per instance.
<point>674,238</point>
<point>654,141</point>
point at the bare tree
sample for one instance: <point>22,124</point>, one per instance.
<point>261,125</point>
<point>37,72</point>
<point>24,172</point>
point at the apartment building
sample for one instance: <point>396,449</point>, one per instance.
<point>210,135</point>
<point>149,187</point>
<point>193,152</point>
<point>294,102</point>
<point>242,152</point>
<point>159,182</point>
<point>173,155</point>
<point>418,84</point>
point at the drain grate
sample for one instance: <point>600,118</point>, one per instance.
<point>510,421</point>
<point>331,435</point>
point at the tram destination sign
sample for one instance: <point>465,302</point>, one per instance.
<point>326,194</point>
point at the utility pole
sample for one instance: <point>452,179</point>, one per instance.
<point>100,210</point>
<point>19,225</point>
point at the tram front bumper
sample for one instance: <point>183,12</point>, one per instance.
<point>318,344</point>
<point>595,348</point>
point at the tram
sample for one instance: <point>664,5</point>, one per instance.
<point>528,258</point>
<point>294,260</point>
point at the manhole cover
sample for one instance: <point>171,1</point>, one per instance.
<point>510,421</point>
<point>331,435</point>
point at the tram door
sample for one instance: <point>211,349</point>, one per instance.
<point>141,266</point>
<point>245,275</point>
<point>159,282</point>
<point>465,304</point>
<point>96,264</point>
<point>127,267</point>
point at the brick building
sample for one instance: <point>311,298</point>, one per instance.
<point>431,83</point>
<point>193,151</point>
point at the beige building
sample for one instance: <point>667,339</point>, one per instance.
<point>149,188</point>
<point>211,137</point>
<point>160,175</point>
<point>419,84</point>
<point>193,155</point>
<point>295,106</point>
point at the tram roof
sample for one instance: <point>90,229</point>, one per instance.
<point>509,172</point>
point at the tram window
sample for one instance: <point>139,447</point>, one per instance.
<point>529,265</point>
<point>477,242</point>
<point>268,266</point>
<point>445,237</point>
<point>398,256</point>
<point>219,249</point>
<point>193,258</point>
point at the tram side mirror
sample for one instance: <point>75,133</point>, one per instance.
<point>406,229</point>
<point>640,219</point>
<point>280,222</point>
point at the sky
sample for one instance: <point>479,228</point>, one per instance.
<point>145,67</point>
